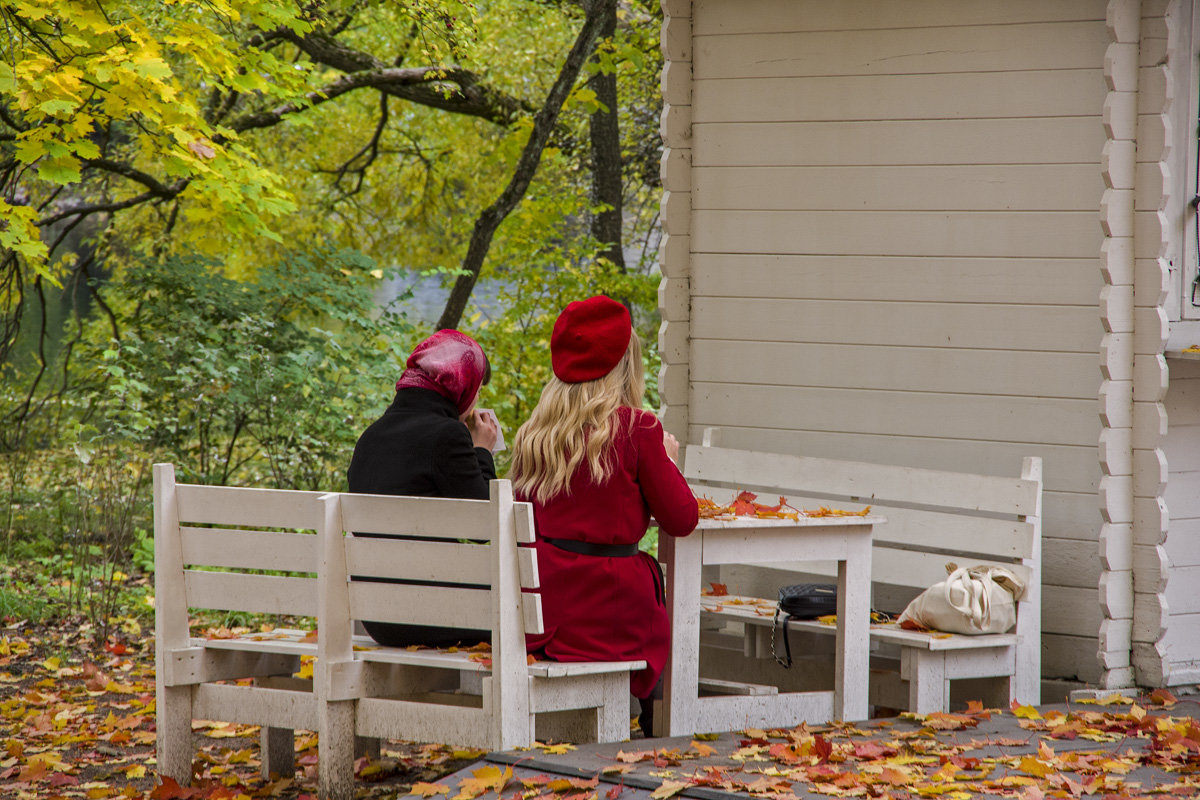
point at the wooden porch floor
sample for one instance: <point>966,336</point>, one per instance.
<point>1150,747</point>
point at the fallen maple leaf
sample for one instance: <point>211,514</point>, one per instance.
<point>423,789</point>
<point>718,590</point>
<point>668,789</point>
<point>484,779</point>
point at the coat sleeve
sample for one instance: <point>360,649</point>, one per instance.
<point>460,469</point>
<point>667,494</point>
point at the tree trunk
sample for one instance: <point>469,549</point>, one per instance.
<point>543,124</point>
<point>607,186</point>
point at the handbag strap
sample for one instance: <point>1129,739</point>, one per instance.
<point>785,662</point>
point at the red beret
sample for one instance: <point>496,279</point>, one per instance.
<point>590,337</point>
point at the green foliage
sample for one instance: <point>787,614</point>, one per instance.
<point>261,380</point>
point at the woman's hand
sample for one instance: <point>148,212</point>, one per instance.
<point>483,428</point>
<point>671,445</point>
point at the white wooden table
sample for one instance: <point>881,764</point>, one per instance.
<point>846,540</point>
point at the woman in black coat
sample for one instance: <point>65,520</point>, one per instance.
<point>430,442</point>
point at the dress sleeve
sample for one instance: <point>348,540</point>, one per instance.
<point>460,469</point>
<point>667,494</point>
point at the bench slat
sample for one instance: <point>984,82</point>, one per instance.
<point>250,705</point>
<point>241,549</point>
<point>454,607</point>
<point>421,722</point>
<point>232,505</point>
<point>256,594</point>
<point>447,562</point>
<point>872,483</point>
<point>434,517</point>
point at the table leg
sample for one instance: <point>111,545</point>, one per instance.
<point>681,678</point>
<point>853,634</point>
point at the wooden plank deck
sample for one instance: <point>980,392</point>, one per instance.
<point>1105,748</point>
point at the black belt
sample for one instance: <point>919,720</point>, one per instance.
<point>592,549</point>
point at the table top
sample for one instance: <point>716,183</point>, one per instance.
<point>733,523</point>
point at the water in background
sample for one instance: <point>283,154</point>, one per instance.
<point>429,294</point>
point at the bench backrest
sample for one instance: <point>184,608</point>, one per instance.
<point>233,534</point>
<point>933,517</point>
<point>224,530</point>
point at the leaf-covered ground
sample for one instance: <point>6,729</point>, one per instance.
<point>77,721</point>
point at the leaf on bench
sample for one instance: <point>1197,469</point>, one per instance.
<point>718,590</point>
<point>423,789</point>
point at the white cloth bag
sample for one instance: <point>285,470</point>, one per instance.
<point>971,600</point>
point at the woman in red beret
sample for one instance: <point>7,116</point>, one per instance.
<point>596,467</point>
<point>430,442</point>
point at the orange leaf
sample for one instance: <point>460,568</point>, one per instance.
<point>718,590</point>
<point>423,789</point>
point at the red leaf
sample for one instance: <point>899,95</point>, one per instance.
<point>823,748</point>
<point>169,789</point>
<point>718,590</point>
<point>116,648</point>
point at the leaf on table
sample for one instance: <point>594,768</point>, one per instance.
<point>717,590</point>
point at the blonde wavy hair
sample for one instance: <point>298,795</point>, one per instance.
<point>574,423</point>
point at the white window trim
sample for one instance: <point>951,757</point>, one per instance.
<point>1183,254</point>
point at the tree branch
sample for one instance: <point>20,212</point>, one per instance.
<point>543,124</point>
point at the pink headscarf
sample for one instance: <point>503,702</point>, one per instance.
<point>449,363</point>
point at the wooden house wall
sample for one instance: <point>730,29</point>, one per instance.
<point>882,244</point>
<point>1174,568</point>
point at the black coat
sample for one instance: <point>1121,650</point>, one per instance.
<point>419,447</point>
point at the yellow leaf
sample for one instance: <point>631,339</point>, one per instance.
<point>423,789</point>
<point>1137,712</point>
<point>136,771</point>
<point>1025,712</point>
<point>1032,766</point>
<point>668,789</point>
<point>703,749</point>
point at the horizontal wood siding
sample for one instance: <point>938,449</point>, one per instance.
<point>1181,550</point>
<point>894,248</point>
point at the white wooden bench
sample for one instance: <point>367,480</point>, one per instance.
<point>933,517</point>
<point>213,548</point>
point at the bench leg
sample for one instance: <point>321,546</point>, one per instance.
<point>612,718</point>
<point>174,740</point>
<point>925,671</point>
<point>278,746</point>
<point>336,766</point>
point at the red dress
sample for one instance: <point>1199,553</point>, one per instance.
<point>598,608</point>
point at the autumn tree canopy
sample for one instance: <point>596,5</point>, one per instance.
<point>136,130</point>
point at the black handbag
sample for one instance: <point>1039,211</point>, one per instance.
<point>801,601</point>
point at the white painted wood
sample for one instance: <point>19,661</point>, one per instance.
<point>250,705</point>
<point>883,141</point>
<point>1074,610</point>
<point>257,594</point>
<point>674,255</point>
<point>447,562</point>
<point>721,17</point>
<point>1062,187</point>
<point>978,48</point>
<point>173,704</point>
<point>982,326</point>
<point>929,676</point>
<point>1036,281</point>
<point>720,713</point>
<point>861,479</point>
<point>1068,422</point>
<point>349,670</point>
<point>987,234</point>
<point>421,605</point>
<point>240,549</point>
<point>674,298</point>
<point>1070,92</point>
<point>230,505</point>
<point>416,516</point>
<point>676,39</point>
